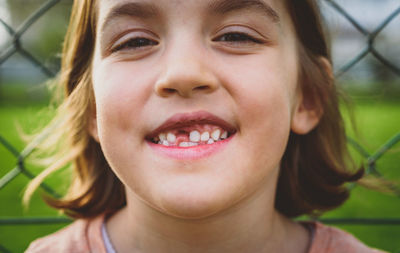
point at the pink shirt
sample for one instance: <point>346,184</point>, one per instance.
<point>85,236</point>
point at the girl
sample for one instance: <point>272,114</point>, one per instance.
<point>198,126</point>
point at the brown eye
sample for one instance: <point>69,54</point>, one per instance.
<point>134,43</point>
<point>237,38</point>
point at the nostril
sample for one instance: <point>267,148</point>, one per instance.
<point>169,90</point>
<point>183,87</point>
<point>199,88</point>
<point>203,87</point>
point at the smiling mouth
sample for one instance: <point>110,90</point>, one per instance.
<point>191,130</point>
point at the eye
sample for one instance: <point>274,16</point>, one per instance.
<point>134,44</point>
<point>237,38</point>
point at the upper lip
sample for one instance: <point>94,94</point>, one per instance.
<point>181,120</point>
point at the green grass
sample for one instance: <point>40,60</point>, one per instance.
<point>378,121</point>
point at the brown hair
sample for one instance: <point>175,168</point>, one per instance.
<point>313,168</point>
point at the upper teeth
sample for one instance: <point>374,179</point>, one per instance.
<point>195,137</point>
<point>171,138</point>
<point>215,134</point>
<point>205,136</point>
<point>224,135</point>
<point>162,137</point>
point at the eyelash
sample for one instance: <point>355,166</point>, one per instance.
<point>134,43</point>
<point>238,38</point>
<point>235,38</point>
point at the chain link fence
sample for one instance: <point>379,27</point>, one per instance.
<point>17,47</point>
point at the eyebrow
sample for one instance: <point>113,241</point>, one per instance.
<point>218,7</point>
<point>221,7</point>
<point>131,9</point>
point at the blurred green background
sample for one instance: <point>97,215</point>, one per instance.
<point>373,88</point>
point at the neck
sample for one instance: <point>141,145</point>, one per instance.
<point>246,227</point>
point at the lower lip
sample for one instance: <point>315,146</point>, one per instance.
<point>190,153</point>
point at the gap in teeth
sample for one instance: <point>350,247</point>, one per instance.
<point>202,135</point>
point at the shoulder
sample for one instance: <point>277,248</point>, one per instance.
<point>82,235</point>
<point>333,240</point>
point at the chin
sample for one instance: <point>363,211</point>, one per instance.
<point>194,203</point>
<point>191,210</point>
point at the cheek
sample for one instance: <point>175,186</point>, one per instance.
<point>120,93</point>
<point>263,90</point>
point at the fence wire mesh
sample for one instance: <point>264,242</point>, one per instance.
<point>17,47</point>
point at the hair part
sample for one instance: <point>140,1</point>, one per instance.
<point>313,168</point>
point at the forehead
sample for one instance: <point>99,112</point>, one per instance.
<point>110,9</point>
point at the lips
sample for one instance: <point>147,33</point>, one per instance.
<point>184,128</point>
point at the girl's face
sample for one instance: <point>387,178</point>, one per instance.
<point>217,74</point>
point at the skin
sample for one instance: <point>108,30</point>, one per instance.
<point>223,202</point>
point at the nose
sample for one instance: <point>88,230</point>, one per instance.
<point>186,74</point>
